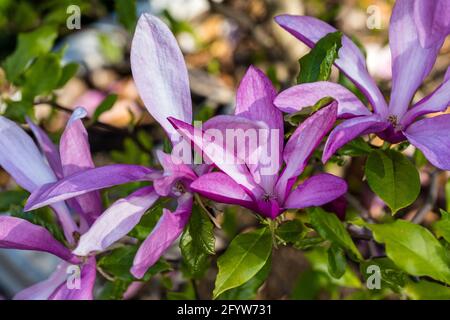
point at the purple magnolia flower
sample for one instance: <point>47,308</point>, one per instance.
<point>161,77</point>
<point>251,184</point>
<point>22,159</point>
<point>417,31</point>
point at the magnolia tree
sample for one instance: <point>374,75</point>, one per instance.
<point>264,158</point>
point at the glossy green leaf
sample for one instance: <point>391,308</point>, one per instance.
<point>248,290</point>
<point>331,228</point>
<point>30,45</point>
<point>290,231</point>
<point>245,257</point>
<point>442,227</point>
<point>356,148</point>
<point>391,276</point>
<point>414,249</point>
<point>13,197</point>
<point>337,263</point>
<point>316,65</point>
<point>197,242</point>
<point>67,72</point>
<point>43,76</point>
<point>393,178</point>
<point>427,290</point>
<point>114,290</point>
<point>318,258</point>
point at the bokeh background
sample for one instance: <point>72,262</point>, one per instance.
<point>219,39</point>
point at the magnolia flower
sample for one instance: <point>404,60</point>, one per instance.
<point>22,159</point>
<point>161,77</point>
<point>252,185</point>
<point>417,31</point>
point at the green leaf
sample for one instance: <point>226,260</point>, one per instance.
<point>427,290</point>
<point>148,221</point>
<point>393,178</point>
<point>391,276</point>
<point>356,148</point>
<point>8,198</point>
<point>442,227</point>
<point>248,290</point>
<point>114,290</point>
<point>331,228</point>
<point>318,259</point>
<point>290,231</point>
<point>419,158</point>
<point>413,249</point>
<point>316,65</point>
<point>119,262</point>
<point>104,106</point>
<point>197,242</point>
<point>126,13</point>
<point>245,257</point>
<point>294,119</point>
<point>43,76</point>
<point>67,73</point>
<point>336,261</point>
<point>30,45</point>
<point>17,110</point>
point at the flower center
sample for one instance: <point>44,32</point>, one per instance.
<point>393,119</point>
<point>179,186</point>
<point>267,197</point>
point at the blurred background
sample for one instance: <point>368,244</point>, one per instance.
<point>219,39</point>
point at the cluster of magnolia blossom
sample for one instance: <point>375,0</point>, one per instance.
<point>67,180</point>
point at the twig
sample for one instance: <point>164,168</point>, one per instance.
<point>210,215</point>
<point>98,124</point>
<point>431,198</point>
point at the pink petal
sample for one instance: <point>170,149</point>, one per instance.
<point>432,20</point>
<point>16,233</point>
<point>216,153</point>
<point>411,63</point>
<point>349,130</point>
<point>437,101</point>
<point>87,282</point>
<point>174,171</point>
<point>116,222</point>
<point>254,100</point>
<point>316,191</point>
<point>432,137</point>
<point>48,148</point>
<point>351,61</point>
<point>252,142</point>
<point>304,95</point>
<point>21,158</point>
<point>219,187</point>
<point>169,228</point>
<point>302,144</point>
<point>87,181</point>
<point>44,289</point>
<point>160,73</point>
<point>75,157</point>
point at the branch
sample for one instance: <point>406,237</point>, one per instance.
<point>431,198</point>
